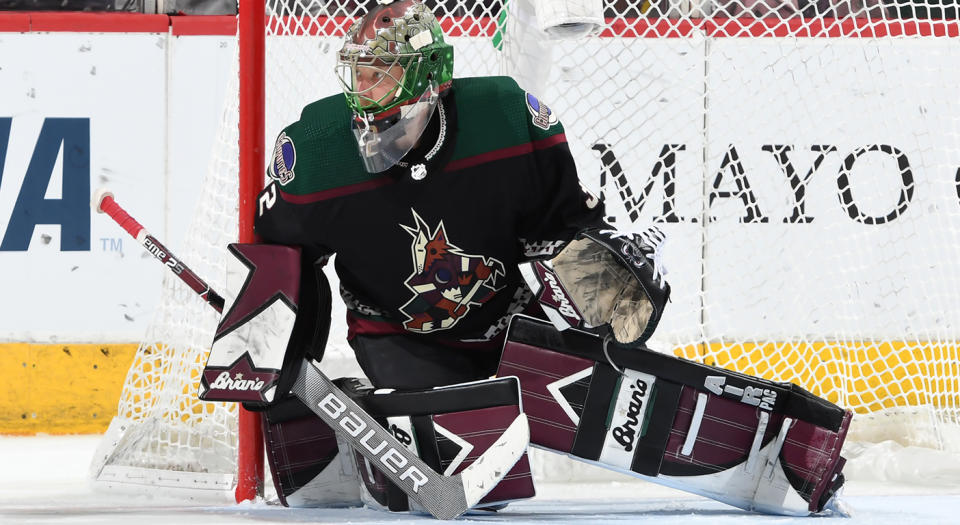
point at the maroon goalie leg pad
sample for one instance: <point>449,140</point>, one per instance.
<point>752,443</point>
<point>308,466</point>
<point>480,429</point>
<point>811,460</point>
<point>449,428</point>
<point>727,433</point>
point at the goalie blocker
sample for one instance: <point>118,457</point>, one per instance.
<point>751,443</point>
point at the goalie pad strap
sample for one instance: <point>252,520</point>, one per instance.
<point>426,437</point>
<point>604,383</point>
<point>648,459</point>
<point>602,387</point>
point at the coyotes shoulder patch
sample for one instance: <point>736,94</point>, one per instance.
<point>543,116</point>
<point>284,159</point>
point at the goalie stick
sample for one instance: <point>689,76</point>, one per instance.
<point>104,203</point>
<point>444,497</point>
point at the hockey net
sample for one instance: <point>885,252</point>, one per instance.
<point>804,162</point>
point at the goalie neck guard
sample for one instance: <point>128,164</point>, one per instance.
<point>392,67</point>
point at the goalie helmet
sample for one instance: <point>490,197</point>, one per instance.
<point>392,67</point>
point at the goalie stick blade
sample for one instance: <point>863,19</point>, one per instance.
<point>444,497</point>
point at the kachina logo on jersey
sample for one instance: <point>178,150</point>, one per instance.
<point>71,210</point>
<point>543,116</point>
<point>284,158</point>
<point>445,281</point>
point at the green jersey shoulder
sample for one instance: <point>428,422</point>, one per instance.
<point>319,151</point>
<point>495,113</point>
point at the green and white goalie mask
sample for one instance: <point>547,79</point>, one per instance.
<point>392,67</point>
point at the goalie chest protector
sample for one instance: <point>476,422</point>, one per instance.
<point>502,188</point>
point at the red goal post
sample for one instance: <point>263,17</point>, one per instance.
<point>251,37</point>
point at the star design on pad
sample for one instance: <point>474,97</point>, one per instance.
<point>274,276</point>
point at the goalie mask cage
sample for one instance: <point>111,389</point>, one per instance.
<point>804,162</point>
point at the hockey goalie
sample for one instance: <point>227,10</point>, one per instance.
<point>481,283</point>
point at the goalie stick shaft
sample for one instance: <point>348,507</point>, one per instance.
<point>445,497</point>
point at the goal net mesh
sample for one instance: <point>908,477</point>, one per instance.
<point>803,159</point>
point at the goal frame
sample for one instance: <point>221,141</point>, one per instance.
<point>251,34</point>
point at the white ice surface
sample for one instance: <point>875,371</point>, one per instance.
<point>43,481</point>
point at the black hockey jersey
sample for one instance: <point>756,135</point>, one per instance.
<point>430,247</point>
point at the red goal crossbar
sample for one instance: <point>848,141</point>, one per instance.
<point>485,26</point>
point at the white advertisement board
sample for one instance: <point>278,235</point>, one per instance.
<point>856,243</point>
<point>81,112</point>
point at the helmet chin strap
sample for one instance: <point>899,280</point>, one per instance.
<point>362,139</point>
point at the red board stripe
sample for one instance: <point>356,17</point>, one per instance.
<point>453,26</point>
<point>469,26</point>
<point>99,22</point>
<point>203,25</point>
<point>776,27</point>
<point>14,22</point>
<point>485,27</point>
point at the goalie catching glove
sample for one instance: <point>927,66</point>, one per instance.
<point>604,281</point>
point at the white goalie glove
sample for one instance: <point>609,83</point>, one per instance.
<point>605,281</point>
